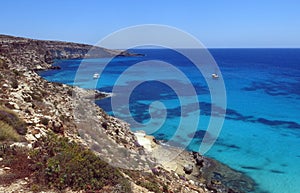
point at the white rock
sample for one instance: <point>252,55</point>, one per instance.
<point>18,144</point>
<point>5,85</point>
<point>38,67</point>
<point>191,182</point>
<point>29,145</point>
<point>38,135</point>
<point>176,175</point>
<point>1,159</point>
<point>35,120</point>
<point>6,168</point>
<point>30,137</point>
<point>13,105</point>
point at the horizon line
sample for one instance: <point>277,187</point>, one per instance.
<point>208,47</point>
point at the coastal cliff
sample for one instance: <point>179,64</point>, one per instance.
<point>44,109</point>
<point>37,54</point>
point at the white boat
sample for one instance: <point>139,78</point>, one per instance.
<point>215,76</point>
<point>96,76</point>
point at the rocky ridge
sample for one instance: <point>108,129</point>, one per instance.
<point>48,106</point>
<point>36,54</point>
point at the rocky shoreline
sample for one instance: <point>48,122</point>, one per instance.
<point>46,106</point>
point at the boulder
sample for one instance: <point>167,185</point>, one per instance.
<point>57,127</point>
<point>188,169</point>
<point>199,161</point>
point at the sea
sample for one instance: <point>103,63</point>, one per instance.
<point>260,134</point>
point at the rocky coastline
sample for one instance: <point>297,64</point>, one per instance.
<point>46,106</point>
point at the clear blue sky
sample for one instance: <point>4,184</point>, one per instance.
<point>216,23</point>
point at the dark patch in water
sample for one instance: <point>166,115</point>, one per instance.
<point>283,165</point>
<point>283,134</point>
<point>275,88</point>
<point>198,134</point>
<point>251,168</point>
<point>277,171</point>
<point>217,176</point>
<point>234,146</point>
<point>181,139</point>
<point>234,115</point>
<point>160,134</point>
<point>241,185</point>
<point>230,146</point>
<point>288,124</point>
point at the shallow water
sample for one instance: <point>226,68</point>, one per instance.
<point>260,135</point>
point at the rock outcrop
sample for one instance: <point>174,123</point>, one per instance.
<point>37,54</point>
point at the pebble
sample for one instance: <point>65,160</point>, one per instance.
<point>6,168</point>
<point>1,159</point>
<point>191,182</point>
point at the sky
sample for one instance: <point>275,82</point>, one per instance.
<point>216,23</point>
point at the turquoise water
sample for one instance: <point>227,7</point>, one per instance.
<point>260,135</point>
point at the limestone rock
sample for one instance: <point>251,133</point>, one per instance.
<point>188,169</point>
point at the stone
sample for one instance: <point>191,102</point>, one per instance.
<point>12,105</point>
<point>188,169</point>
<point>199,162</point>
<point>38,67</point>
<point>56,125</point>
<point>105,125</point>
<point>6,168</point>
<point>38,135</point>
<point>1,159</point>
<point>191,182</point>
<point>35,131</point>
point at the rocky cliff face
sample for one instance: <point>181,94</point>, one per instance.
<point>37,54</point>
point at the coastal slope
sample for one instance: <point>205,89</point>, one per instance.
<point>43,108</point>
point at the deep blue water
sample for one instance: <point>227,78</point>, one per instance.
<point>261,132</point>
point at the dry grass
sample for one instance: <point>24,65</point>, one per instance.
<point>7,133</point>
<point>12,119</point>
<point>17,159</point>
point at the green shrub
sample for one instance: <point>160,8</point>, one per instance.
<point>3,64</point>
<point>45,121</point>
<point>14,84</point>
<point>7,133</point>
<point>11,118</point>
<point>150,186</point>
<point>16,72</point>
<point>147,180</point>
<point>60,163</point>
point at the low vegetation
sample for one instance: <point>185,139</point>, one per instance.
<point>7,133</point>
<point>148,181</point>
<point>58,163</point>
<point>3,64</point>
<point>16,158</point>
<point>11,121</point>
